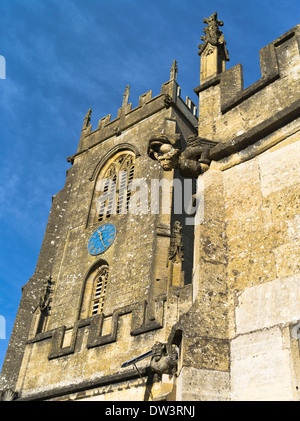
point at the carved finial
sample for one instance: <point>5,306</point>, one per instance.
<point>212,31</point>
<point>174,70</point>
<point>213,35</point>
<point>213,52</point>
<point>126,97</point>
<point>87,118</point>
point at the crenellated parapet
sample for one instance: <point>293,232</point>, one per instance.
<point>169,97</point>
<point>146,317</point>
<point>236,117</point>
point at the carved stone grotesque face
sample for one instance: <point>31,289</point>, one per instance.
<point>164,361</point>
<point>157,351</point>
<point>167,156</point>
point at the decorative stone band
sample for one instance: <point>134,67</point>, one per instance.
<point>144,319</point>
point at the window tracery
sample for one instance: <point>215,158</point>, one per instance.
<point>94,292</point>
<point>111,194</point>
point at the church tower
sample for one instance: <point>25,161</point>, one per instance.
<point>114,272</point>
<point>169,270</point>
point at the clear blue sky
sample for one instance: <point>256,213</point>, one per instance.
<point>65,56</point>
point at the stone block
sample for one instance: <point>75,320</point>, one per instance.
<point>203,385</point>
<point>269,304</point>
<point>260,367</point>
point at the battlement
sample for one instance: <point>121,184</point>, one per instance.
<point>270,101</point>
<point>127,116</point>
<point>144,319</point>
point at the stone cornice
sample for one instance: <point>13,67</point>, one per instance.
<point>278,120</point>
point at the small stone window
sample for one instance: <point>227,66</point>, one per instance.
<point>94,290</point>
<point>100,284</point>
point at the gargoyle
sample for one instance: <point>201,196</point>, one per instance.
<point>191,162</point>
<point>164,359</point>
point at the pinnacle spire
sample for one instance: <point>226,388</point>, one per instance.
<point>213,35</point>
<point>126,96</point>
<point>213,51</point>
<point>87,118</point>
<point>174,70</point>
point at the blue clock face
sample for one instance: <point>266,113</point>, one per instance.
<point>101,239</point>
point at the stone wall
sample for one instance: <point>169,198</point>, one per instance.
<point>237,336</point>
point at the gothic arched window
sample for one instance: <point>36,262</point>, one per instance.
<point>111,195</point>
<point>99,290</point>
<point>95,291</point>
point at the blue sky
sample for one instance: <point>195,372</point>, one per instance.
<point>65,56</point>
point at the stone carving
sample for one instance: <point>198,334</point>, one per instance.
<point>164,358</point>
<point>213,35</point>
<point>174,70</point>
<point>191,162</point>
<point>46,298</point>
<point>175,253</point>
<point>8,395</point>
<point>117,131</point>
<point>168,100</point>
<point>87,118</point>
<point>126,96</point>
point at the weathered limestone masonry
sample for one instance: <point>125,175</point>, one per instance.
<point>216,305</point>
<point>239,338</point>
<point>70,350</point>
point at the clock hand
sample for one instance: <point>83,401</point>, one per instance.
<point>101,238</point>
